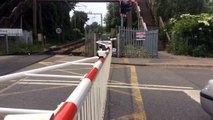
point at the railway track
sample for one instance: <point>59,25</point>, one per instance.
<point>66,49</point>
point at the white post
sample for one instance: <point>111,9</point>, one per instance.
<point>7,44</point>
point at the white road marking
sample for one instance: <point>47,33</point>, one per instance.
<point>147,85</point>
<point>194,94</point>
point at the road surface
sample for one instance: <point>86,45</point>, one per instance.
<point>134,92</point>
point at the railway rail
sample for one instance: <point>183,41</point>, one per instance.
<point>66,49</point>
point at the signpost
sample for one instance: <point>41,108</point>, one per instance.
<point>140,36</point>
<point>58,30</point>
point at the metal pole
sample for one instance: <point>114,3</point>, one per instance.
<point>122,21</point>
<point>7,46</point>
<point>94,44</point>
<point>129,19</point>
<point>101,21</point>
<point>35,18</point>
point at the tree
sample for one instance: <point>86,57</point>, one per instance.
<point>210,6</point>
<point>94,27</point>
<point>173,8</point>
<point>112,18</point>
<point>192,35</point>
<point>78,20</point>
<point>56,15</point>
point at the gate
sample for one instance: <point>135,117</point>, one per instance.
<point>137,43</point>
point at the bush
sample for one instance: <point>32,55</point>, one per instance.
<point>25,49</point>
<point>135,51</point>
<point>191,35</point>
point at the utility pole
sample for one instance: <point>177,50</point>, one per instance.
<point>122,21</point>
<point>35,18</point>
<point>129,19</point>
<point>97,14</point>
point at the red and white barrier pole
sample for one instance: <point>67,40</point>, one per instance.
<point>68,109</point>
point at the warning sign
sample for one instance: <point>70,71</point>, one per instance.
<point>140,36</point>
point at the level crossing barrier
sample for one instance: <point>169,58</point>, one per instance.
<point>86,102</point>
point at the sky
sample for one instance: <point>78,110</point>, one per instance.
<point>92,7</point>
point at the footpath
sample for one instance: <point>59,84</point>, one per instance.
<point>166,59</point>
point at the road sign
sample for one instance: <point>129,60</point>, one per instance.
<point>11,32</point>
<point>58,30</point>
<point>140,36</point>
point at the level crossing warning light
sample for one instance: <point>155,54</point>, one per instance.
<point>126,6</point>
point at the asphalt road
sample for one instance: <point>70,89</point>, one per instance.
<point>166,93</point>
<point>9,64</point>
<point>42,93</point>
<point>173,93</point>
<point>134,93</point>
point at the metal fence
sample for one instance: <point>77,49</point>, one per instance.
<point>86,102</point>
<point>15,44</point>
<point>137,43</point>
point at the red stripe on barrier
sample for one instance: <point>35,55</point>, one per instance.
<point>101,59</point>
<point>66,112</point>
<point>92,73</point>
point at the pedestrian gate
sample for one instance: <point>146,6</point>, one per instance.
<point>137,43</point>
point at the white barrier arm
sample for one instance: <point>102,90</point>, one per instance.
<point>44,69</point>
<point>68,109</point>
<point>29,117</point>
<point>54,76</point>
<point>23,111</point>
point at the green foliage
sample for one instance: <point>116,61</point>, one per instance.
<point>22,48</point>
<point>135,51</point>
<point>56,15</point>
<point>191,35</point>
<point>78,21</point>
<point>94,27</point>
<point>173,8</point>
<point>112,18</point>
<point>77,34</point>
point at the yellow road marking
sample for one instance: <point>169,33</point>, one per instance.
<point>137,98</point>
<point>65,71</point>
<point>78,69</point>
<point>46,63</point>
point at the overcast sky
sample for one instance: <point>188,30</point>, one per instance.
<point>94,8</point>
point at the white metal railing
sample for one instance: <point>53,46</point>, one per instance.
<point>86,102</point>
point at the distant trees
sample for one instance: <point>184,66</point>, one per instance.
<point>78,21</point>
<point>94,27</point>
<point>112,18</point>
<point>56,15</point>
